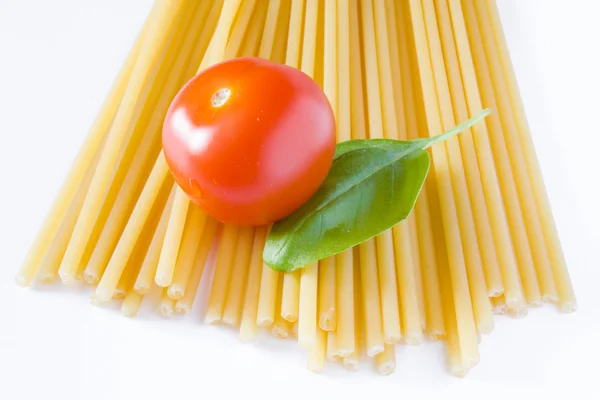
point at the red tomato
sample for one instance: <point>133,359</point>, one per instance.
<point>250,140</point>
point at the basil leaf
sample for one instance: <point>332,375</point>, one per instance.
<point>372,185</point>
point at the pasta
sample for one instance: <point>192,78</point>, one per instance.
<point>291,281</point>
<point>249,321</point>
<point>432,308</point>
<point>145,277</point>
<point>352,360</point>
<point>481,240</point>
<point>499,224</point>
<point>308,335</point>
<point>566,295</point>
<point>166,16</point>
<point>514,214</point>
<point>184,304</point>
<point>344,261</point>
<point>166,305</point>
<point>442,173</point>
<point>185,259</point>
<point>281,326</point>
<point>93,142</point>
<point>216,302</point>
<point>237,284</point>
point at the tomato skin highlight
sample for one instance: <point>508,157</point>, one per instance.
<point>249,140</point>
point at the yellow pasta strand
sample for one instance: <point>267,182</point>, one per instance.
<point>407,288</point>
<point>121,198</point>
<point>464,314</point>
<point>330,63</point>
<point>234,43</point>
<point>352,360</point>
<point>267,297</point>
<point>327,267</point>
<point>307,312</point>
<point>252,39</point>
<point>479,293</point>
<point>172,242</point>
<point>290,295</point>
<point>48,268</point>
<point>345,338</point>
<point>386,360</point>
<point>166,306</point>
<point>141,76</point>
<point>216,301</point>
<point>131,272</point>
<point>241,263</point>
<point>402,246</point>
<point>499,305</point>
<point>331,352</point>
<point>502,161</point>
<point>267,41</point>
<point>491,268</point>
<point>432,304</point>
<point>566,295</point>
<point>248,323</point>
<point>524,188</point>
<point>386,267</point>
<point>281,327</point>
<point>140,213</point>
<point>189,246</point>
<point>160,170</point>
<point>126,281</point>
<point>82,162</point>
<point>294,331</point>
<point>356,75</point>
<point>316,355</point>
<point>455,359</point>
<point>145,278</point>
<point>291,281</point>
<point>281,36</point>
<point>221,35</point>
<point>294,43</point>
<point>371,308</point>
<point>344,271</point>
<point>131,304</point>
<point>184,305</point>
<point>118,214</point>
<point>375,126</point>
<point>309,43</point>
<point>327,290</point>
<point>318,75</point>
<point>499,224</point>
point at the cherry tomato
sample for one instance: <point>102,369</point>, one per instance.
<point>250,140</point>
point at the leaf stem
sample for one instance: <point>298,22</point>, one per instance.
<point>458,128</point>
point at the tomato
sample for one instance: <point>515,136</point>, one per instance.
<point>249,140</point>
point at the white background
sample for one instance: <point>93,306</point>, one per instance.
<point>57,62</point>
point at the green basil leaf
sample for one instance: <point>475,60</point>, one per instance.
<point>372,185</point>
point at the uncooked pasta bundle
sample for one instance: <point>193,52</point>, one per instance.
<point>480,241</point>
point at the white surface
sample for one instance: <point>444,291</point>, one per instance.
<point>57,61</point>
